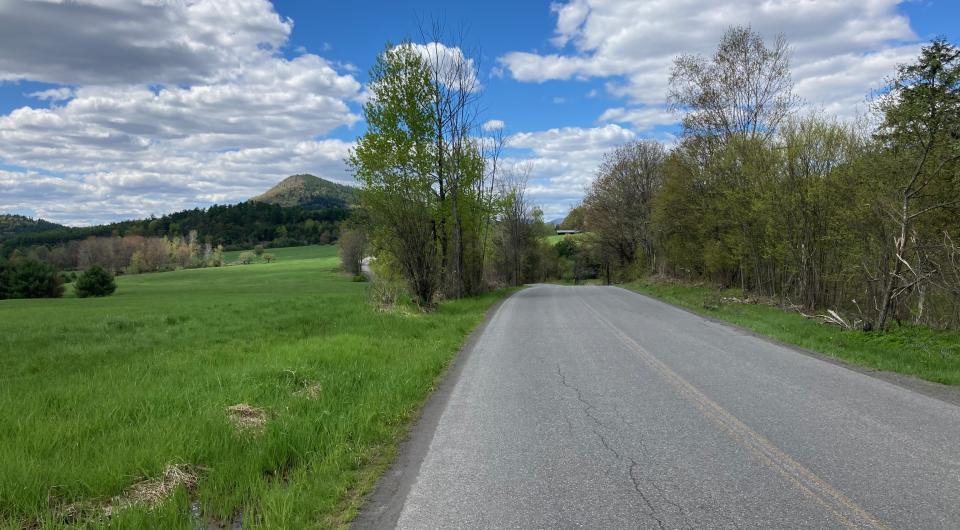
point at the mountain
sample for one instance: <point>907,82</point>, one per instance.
<point>309,192</point>
<point>18,224</point>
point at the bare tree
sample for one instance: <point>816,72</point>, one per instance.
<point>514,225</point>
<point>745,89</point>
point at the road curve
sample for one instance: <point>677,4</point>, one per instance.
<point>595,407</point>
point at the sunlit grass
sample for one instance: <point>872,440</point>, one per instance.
<point>921,352</point>
<point>99,393</point>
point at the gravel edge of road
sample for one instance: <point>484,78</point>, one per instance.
<point>382,507</point>
<point>947,394</point>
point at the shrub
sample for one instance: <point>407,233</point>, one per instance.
<point>258,250</point>
<point>247,257</point>
<point>29,278</point>
<point>95,282</point>
<point>269,258</point>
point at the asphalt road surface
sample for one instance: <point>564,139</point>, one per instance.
<point>595,407</point>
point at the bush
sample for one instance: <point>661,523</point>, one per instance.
<point>258,250</point>
<point>29,278</point>
<point>269,258</point>
<point>95,282</point>
<point>247,257</point>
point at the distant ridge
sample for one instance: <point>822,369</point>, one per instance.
<point>19,224</point>
<point>308,191</point>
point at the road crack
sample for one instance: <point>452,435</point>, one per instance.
<point>589,410</point>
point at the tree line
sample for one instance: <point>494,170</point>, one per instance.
<point>236,226</point>
<point>439,209</point>
<point>818,213</point>
<point>812,211</point>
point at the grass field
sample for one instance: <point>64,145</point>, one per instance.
<point>101,396</point>
<point>921,352</point>
<point>283,254</point>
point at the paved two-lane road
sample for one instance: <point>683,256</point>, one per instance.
<point>594,407</point>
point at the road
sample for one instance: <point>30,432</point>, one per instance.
<point>595,407</point>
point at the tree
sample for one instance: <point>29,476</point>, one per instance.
<point>22,277</point>
<point>514,235</point>
<point>95,281</point>
<point>352,250</point>
<point>744,90</point>
<point>393,160</point>
<point>427,185</point>
<point>919,167</point>
<point>575,220</point>
<point>618,205</point>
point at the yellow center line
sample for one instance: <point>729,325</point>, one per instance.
<point>838,505</point>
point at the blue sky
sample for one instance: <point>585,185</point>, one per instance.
<point>137,109</point>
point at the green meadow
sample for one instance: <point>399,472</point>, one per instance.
<point>119,405</point>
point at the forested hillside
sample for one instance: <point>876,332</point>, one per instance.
<point>19,224</point>
<point>310,192</point>
<point>233,226</point>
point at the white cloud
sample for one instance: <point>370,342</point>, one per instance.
<point>449,61</point>
<point>642,118</point>
<point>563,161</point>
<point>493,125</point>
<point>53,94</point>
<point>123,41</point>
<point>842,50</point>
<point>127,144</point>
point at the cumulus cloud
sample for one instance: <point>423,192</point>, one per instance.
<point>493,125</point>
<point>122,41</point>
<point>842,50</point>
<point>53,94</point>
<point>217,115</point>
<point>562,162</point>
<point>456,69</point>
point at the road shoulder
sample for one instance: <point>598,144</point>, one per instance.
<point>382,506</point>
<point>945,393</point>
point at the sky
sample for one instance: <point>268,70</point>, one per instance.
<point>119,109</point>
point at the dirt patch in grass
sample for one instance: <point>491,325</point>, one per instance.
<point>247,418</point>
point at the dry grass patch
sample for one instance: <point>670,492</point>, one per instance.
<point>153,491</point>
<point>309,390</point>
<point>247,418</point>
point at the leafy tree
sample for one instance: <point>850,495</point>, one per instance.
<point>95,281</point>
<point>394,161</point>
<point>22,277</point>
<point>919,168</point>
<point>575,219</point>
<point>619,202</point>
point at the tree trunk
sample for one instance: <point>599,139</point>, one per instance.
<point>891,284</point>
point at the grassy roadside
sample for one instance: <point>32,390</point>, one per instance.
<point>116,401</point>
<point>928,354</point>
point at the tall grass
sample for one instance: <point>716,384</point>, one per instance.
<point>98,394</point>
